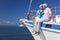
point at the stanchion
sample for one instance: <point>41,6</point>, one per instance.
<point>42,36</point>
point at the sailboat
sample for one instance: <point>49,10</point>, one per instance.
<point>49,30</point>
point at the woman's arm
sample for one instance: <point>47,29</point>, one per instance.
<point>37,13</point>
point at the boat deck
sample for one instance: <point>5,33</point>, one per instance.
<point>47,34</point>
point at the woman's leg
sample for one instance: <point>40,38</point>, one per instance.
<point>33,19</point>
<point>37,26</point>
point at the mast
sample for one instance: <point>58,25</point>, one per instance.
<point>28,14</point>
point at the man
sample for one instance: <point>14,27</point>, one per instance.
<point>46,17</point>
<point>39,14</point>
<point>47,12</point>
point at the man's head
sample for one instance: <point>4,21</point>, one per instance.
<point>45,5</point>
<point>41,6</point>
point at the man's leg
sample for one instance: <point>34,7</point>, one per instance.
<point>38,25</point>
<point>43,20</point>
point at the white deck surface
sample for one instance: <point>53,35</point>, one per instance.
<point>48,35</point>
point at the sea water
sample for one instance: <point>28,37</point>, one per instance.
<point>14,32</point>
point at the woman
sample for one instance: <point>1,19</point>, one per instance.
<point>39,15</point>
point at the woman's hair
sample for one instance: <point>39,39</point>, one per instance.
<point>40,5</point>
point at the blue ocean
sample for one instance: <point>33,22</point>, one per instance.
<point>14,32</point>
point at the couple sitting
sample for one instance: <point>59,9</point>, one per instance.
<point>43,14</point>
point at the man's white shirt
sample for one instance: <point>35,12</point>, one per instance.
<point>47,13</point>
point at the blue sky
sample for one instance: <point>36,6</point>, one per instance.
<point>13,10</point>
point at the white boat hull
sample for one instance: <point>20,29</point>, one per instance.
<point>47,33</point>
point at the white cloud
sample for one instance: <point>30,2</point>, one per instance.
<point>4,22</point>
